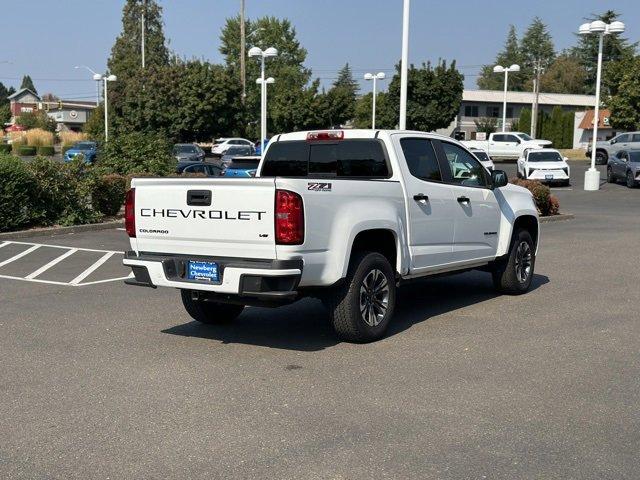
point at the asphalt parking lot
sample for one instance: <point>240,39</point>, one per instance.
<point>101,380</point>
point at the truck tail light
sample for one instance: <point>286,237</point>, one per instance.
<point>130,212</point>
<point>323,136</point>
<point>289,218</point>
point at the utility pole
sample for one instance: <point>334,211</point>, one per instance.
<point>537,66</point>
<point>404,64</point>
<point>242,53</point>
<point>142,28</point>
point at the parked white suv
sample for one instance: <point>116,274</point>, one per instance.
<point>506,145</point>
<point>345,216</point>
<point>545,164</point>
<point>221,145</point>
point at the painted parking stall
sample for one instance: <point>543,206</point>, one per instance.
<point>59,264</point>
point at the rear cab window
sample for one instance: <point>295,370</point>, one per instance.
<point>350,158</point>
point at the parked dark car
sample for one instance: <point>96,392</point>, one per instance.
<point>236,151</point>
<point>624,165</point>
<point>258,146</point>
<point>195,166</point>
<point>188,151</point>
<point>85,148</point>
<point>242,167</point>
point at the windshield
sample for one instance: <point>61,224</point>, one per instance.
<point>544,157</point>
<point>634,157</point>
<point>524,136</point>
<point>185,149</point>
<point>84,145</point>
<point>482,156</point>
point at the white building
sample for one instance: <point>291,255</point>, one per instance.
<point>477,104</point>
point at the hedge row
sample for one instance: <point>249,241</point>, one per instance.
<point>44,192</point>
<point>546,203</point>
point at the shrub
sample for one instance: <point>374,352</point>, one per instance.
<point>17,140</point>
<point>546,203</point>
<point>26,151</point>
<point>70,137</point>
<point>5,148</point>
<point>136,152</point>
<point>46,150</point>
<point>37,119</point>
<point>63,193</point>
<point>17,191</point>
<point>37,137</point>
<point>107,193</point>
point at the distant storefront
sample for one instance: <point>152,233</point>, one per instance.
<point>68,114</point>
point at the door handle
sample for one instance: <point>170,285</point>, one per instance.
<point>463,199</point>
<point>201,198</point>
<point>421,196</point>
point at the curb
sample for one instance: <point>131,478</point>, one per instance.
<point>557,218</point>
<point>40,232</point>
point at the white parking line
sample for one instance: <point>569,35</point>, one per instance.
<point>91,269</point>
<point>77,281</point>
<point>20,255</point>
<point>53,262</point>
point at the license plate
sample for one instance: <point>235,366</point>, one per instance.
<point>207,271</point>
<point>548,177</point>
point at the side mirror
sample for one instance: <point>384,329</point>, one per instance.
<point>499,178</point>
<point>518,142</point>
<point>565,158</point>
<point>612,141</point>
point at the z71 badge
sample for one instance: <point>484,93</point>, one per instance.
<point>319,187</point>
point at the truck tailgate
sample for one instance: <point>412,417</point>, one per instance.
<point>205,217</point>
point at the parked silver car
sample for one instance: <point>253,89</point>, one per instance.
<point>624,165</point>
<point>609,148</point>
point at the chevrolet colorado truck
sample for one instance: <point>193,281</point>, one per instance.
<point>344,216</point>
<point>509,145</point>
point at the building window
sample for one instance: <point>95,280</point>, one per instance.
<point>471,111</point>
<point>509,112</point>
<point>493,112</point>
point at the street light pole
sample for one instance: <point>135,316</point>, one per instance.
<point>404,65</point>
<point>144,9</point>
<point>592,176</point>
<point>263,54</point>
<point>505,70</point>
<point>97,77</point>
<point>106,79</point>
<point>371,76</point>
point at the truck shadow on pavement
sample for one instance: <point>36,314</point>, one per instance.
<point>304,326</point>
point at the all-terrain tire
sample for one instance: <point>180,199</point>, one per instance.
<point>631,182</point>
<point>611,178</point>
<point>210,313</point>
<point>370,282</point>
<point>513,275</point>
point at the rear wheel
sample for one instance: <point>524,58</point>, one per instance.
<point>513,274</point>
<point>601,157</point>
<point>363,305</point>
<point>610,176</point>
<point>631,182</point>
<point>210,313</point>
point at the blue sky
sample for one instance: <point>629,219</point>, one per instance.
<point>47,41</point>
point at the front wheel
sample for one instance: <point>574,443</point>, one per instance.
<point>631,182</point>
<point>210,313</point>
<point>514,274</point>
<point>363,305</point>
<point>610,177</point>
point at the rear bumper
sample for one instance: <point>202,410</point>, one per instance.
<point>556,176</point>
<point>252,278</point>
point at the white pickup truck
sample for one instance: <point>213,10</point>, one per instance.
<point>503,146</point>
<point>344,216</point>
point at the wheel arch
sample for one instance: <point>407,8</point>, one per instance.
<point>382,240</point>
<point>529,223</point>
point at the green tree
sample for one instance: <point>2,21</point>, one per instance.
<point>386,116</point>
<point>341,98</point>
<point>536,47</point>
<point>510,54</point>
<point>616,48</point>
<point>293,98</point>
<point>434,95</point>
<point>28,83</point>
<point>524,121</point>
<point>486,124</point>
<point>556,126</point>
<point>37,119</point>
<point>126,62</point>
<point>5,114</point>
<point>95,124</point>
<point>564,75</point>
<point>625,104</point>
